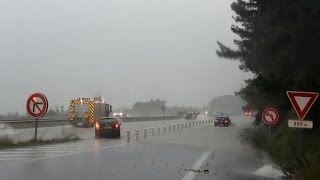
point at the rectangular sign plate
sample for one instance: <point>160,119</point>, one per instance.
<point>300,124</point>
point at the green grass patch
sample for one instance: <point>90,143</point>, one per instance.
<point>295,151</point>
<point>5,141</point>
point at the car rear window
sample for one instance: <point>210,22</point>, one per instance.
<point>109,121</point>
<point>222,118</point>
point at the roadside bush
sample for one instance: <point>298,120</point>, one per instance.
<point>295,151</point>
<point>5,141</point>
<point>70,134</point>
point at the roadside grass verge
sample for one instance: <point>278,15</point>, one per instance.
<point>5,141</point>
<point>295,151</point>
<point>67,135</point>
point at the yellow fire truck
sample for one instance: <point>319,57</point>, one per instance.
<point>85,111</point>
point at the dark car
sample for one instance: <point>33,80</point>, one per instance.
<point>191,115</point>
<point>107,127</point>
<point>222,121</point>
<point>188,116</point>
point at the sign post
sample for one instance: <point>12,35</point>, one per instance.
<point>270,116</point>
<point>302,103</point>
<point>37,106</point>
<point>36,130</point>
<point>163,108</point>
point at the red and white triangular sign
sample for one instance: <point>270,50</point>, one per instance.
<point>302,101</point>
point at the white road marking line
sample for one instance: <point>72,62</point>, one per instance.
<point>76,146</point>
<point>30,152</point>
<point>26,155</point>
<point>46,128</point>
<point>14,159</point>
<point>55,147</point>
<point>36,152</point>
<point>49,149</point>
<point>197,165</point>
<point>66,147</point>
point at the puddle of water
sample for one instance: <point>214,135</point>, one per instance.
<point>269,171</point>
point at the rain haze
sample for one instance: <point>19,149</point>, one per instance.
<point>124,50</point>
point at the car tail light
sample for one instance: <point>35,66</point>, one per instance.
<point>97,125</point>
<point>117,126</point>
<point>225,121</point>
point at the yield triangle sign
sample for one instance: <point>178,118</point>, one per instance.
<point>302,101</point>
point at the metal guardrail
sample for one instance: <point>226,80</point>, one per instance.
<point>162,130</point>
<point>155,118</point>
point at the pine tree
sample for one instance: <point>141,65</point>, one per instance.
<point>279,43</point>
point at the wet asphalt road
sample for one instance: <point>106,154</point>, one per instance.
<point>84,133</point>
<point>199,152</point>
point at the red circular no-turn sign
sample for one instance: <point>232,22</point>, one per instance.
<point>270,116</point>
<point>37,105</point>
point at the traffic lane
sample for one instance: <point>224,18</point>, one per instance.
<point>46,133</point>
<point>155,124</point>
<point>208,135</point>
<point>231,164</point>
<point>88,133</point>
<point>242,121</point>
<point>89,142</point>
<point>44,151</point>
<point>229,159</point>
<point>34,153</point>
<point>170,156</point>
<point>84,133</point>
<point>135,161</point>
<point>164,157</point>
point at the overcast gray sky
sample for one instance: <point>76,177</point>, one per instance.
<point>125,50</point>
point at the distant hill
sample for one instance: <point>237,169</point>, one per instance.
<point>226,103</point>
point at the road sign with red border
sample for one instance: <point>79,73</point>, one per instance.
<point>270,116</point>
<point>37,105</point>
<point>302,101</point>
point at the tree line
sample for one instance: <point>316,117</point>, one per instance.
<point>153,108</point>
<point>278,41</point>
<point>58,110</point>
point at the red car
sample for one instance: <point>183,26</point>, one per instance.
<point>222,121</point>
